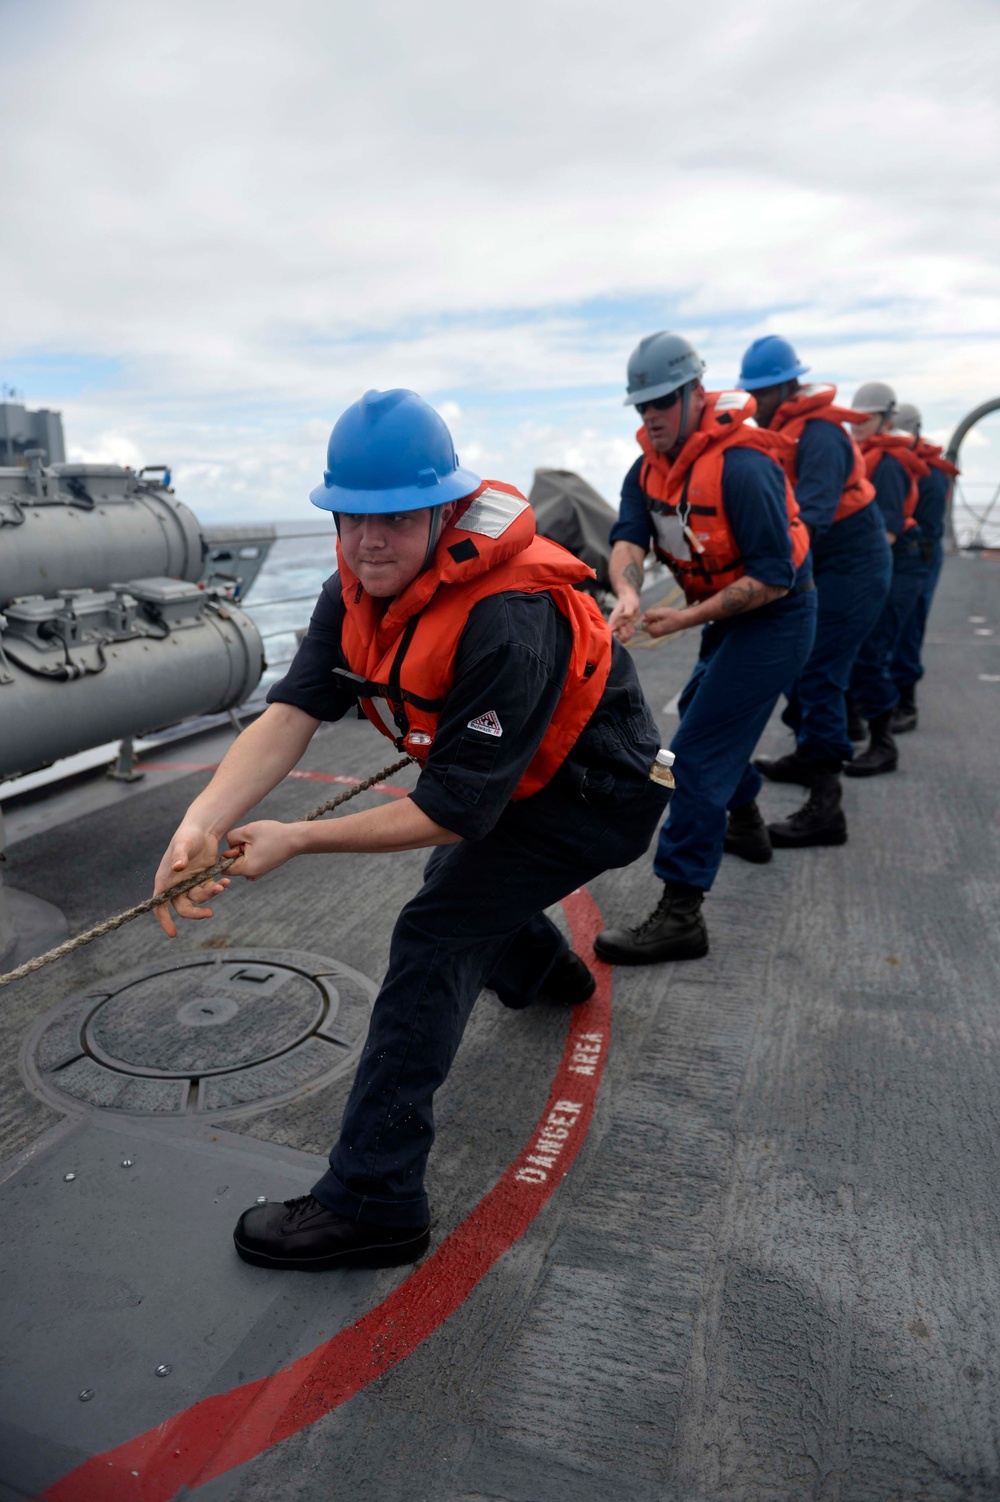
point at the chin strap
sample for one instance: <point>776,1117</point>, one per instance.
<point>685,411</point>
<point>682,432</point>
<point>433,536</point>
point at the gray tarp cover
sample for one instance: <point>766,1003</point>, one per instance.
<point>571,512</point>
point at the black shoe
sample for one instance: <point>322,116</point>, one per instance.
<point>881,753</point>
<point>747,836</point>
<point>820,820</point>
<point>569,982</point>
<point>674,930</point>
<point>904,716</point>
<point>305,1235</point>
<point>791,768</point>
<point>855,724</point>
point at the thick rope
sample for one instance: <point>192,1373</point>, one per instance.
<point>120,919</point>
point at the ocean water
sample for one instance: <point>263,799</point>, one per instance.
<point>281,599</point>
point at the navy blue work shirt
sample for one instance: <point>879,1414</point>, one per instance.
<point>892,486</point>
<point>512,659</point>
<point>932,504</point>
<point>824,459</point>
<point>824,462</point>
<point>753,494</point>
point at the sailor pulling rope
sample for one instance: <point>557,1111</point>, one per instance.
<point>463,639</point>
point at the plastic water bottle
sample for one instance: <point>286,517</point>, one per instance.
<point>660,770</point>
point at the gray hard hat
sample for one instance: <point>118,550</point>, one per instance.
<point>659,364</point>
<point>907,419</point>
<point>875,396</point>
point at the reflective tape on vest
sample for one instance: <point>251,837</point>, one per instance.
<point>491,513</point>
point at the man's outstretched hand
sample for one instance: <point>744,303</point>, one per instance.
<point>192,849</point>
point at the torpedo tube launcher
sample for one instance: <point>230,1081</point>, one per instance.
<point>96,665</point>
<point>112,620</point>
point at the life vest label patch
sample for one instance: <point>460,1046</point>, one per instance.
<point>487,723</point>
<point>491,513</point>
<point>731,401</point>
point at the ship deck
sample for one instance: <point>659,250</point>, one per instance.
<point>762,1263</point>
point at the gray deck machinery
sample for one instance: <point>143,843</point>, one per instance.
<point>118,612</point>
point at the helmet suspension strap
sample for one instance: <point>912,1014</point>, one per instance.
<point>686,393</point>
<point>433,535</point>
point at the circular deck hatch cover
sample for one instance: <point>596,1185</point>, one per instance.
<point>225,1032</point>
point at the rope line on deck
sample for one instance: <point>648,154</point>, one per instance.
<point>120,919</point>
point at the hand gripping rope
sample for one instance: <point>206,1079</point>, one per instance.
<point>110,924</point>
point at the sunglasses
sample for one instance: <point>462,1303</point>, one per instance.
<point>661,404</point>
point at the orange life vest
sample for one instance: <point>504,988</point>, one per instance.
<point>812,402</point>
<point>401,660</point>
<point>903,447</point>
<point>685,497</point>
<point>933,454</point>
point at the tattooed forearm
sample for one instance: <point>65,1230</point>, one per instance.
<point>625,568</point>
<point>746,594</point>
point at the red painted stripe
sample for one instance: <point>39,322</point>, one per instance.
<point>176,766</point>
<point>388,788</point>
<point>219,1433</point>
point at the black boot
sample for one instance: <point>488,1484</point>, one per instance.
<point>820,820</point>
<point>304,1235</point>
<point>904,716</point>
<point>880,755</point>
<point>791,768</point>
<point>855,723</point>
<point>569,982</point>
<point>747,836</point>
<point>674,930</point>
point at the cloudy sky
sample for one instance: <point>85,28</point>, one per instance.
<point>222,222</point>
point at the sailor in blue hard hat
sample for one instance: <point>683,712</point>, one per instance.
<point>709,499</point>
<point>851,566</point>
<point>391,452</point>
<point>772,368</point>
<point>462,637</point>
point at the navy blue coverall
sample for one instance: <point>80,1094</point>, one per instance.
<point>478,920</point>
<point>745,664</point>
<point>852,566</point>
<point>932,509</point>
<point>872,684</point>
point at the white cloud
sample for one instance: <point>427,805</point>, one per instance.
<point>262,212</point>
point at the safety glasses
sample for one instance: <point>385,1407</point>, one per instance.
<point>661,404</point>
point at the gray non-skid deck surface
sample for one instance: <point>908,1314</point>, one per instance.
<point>774,1271</point>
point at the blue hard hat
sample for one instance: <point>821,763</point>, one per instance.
<point>391,451</point>
<point>769,361</point>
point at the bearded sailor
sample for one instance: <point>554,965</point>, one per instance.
<point>710,499</point>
